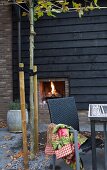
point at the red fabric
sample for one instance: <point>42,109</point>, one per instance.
<point>64,151</point>
<point>49,150</point>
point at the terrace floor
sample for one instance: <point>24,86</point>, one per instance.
<point>9,141</point>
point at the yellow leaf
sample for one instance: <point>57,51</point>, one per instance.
<point>20,1</point>
<point>24,14</point>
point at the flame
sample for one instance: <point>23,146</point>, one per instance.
<point>53,90</point>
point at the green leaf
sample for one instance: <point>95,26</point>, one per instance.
<point>49,3</point>
<point>35,18</point>
<point>81,13</point>
<point>37,8</point>
<point>40,14</point>
<point>91,6</point>
<point>65,8</point>
<point>49,13</point>
<point>76,5</point>
<point>87,9</point>
<point>95,2</point>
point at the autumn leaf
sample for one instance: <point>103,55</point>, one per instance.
<point>24,14</point>
<point>7,137</point>
<point>18,155</point>
<point>20,1</point>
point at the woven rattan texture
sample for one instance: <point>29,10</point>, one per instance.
<point>63,110</point>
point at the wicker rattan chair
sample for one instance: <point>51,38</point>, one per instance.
<point>63,110</point>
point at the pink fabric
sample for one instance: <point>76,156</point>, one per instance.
<point>63,132</point>
<point>64,151</point>
<point>49,150</point>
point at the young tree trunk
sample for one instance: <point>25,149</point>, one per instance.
<point>31,19</point>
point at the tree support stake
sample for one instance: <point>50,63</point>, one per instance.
<point>23,114</point>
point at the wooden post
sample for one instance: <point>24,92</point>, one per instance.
<point>23,114</point>
<point>35,110</point>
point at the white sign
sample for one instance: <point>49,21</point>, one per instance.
<point>97,110</point>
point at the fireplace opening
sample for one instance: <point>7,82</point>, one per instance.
<point>52,89</point>
<point>49,89</point>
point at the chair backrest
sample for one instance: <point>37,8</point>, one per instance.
<point>63,110</point>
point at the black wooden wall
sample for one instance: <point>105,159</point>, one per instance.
<point>71,47</point>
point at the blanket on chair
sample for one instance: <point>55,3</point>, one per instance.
<point>60,141</point>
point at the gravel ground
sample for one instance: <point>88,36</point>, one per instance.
<point>11,151</point>
<point>11,157</point>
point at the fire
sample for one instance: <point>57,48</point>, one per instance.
<point>53,93</point>
<point>53,90</point>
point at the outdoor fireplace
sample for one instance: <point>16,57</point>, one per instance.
<point>52,89</point>
<point>49,89</point>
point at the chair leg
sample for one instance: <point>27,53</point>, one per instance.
<point>54,160</point>
<point>76,150</point>
<point>81,164</point>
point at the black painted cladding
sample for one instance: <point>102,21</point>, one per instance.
<point>71,47</point>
